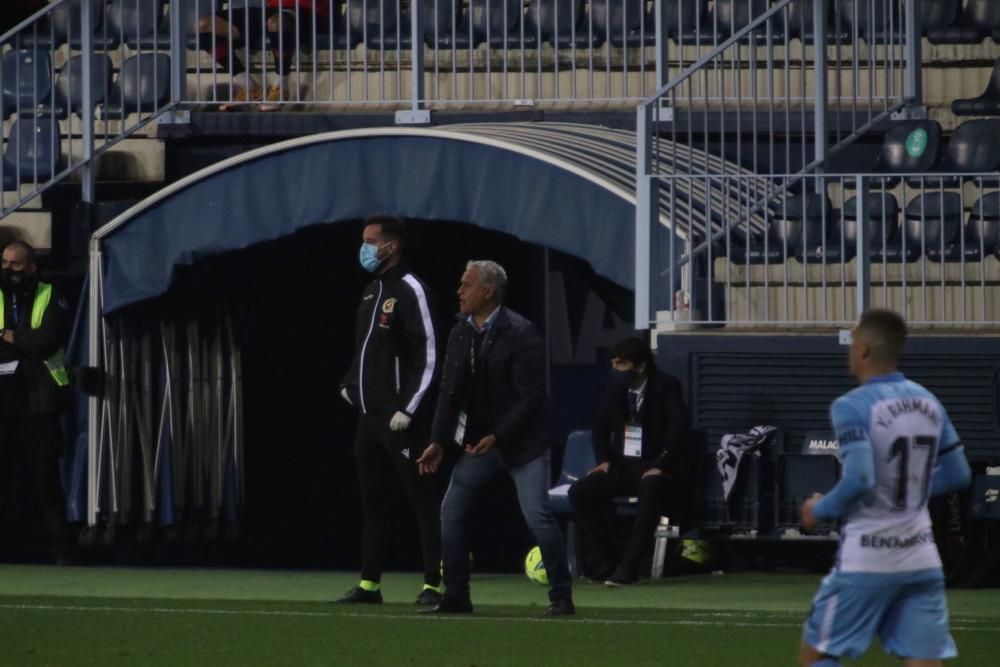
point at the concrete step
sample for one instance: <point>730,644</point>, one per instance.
<point>34,227</point>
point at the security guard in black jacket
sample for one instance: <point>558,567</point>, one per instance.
<point>391,382</point>
<point>33,379</point>
<point>643,448</point>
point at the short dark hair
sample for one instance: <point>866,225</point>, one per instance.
<point>885,331</point>
<point>26,248</point>
<point>393,228</point>
<point>636,350</point>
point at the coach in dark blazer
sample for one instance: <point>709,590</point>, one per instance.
<point>642,448</point>
<point>493,403</point>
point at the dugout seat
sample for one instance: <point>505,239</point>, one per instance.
<point>801,474</point>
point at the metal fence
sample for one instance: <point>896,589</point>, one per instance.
<point>824,247</point>
<point>779,96</point>
<point>77,78</point>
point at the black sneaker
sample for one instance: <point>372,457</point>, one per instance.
<point>358,595</point>
<point>449,605</point>
<point>428,598</point>
<point>561,607</point>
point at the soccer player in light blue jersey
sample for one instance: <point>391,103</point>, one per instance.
<point>898,449</point>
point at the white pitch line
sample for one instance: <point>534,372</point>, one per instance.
<point>423,617</point>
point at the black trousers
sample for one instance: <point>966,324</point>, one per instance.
<point>30,448</point>
<point>591,499</point>
<point>382,455</point>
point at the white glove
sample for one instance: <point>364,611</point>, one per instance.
<point>399,422</point>
<point>344,395</point>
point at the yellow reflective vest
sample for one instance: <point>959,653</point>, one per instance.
<point>57,362</point>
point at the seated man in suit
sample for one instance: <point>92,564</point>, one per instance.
<point>640,445</point>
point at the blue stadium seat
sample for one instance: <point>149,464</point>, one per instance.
<point>974,148</point>
<point>64,26</point>
<point>881,227</point>
<point>622,22</point>
<point>931,223</point>
<point>561,23</point>
<point>143,84</point>
<point>445,24</point>
<point>499,23</point>
<point>978,20</point>
<point>982,230</point>
<point>139,23</point>
<point>26,81</point>
<point>67,94</point>
<point>987,104</point>
<point>578,460</point>
<point>32,153</point>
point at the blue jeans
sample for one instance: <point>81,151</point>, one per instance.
<point>532,482</point>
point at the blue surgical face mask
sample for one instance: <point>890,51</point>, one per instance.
<point>368,256</point>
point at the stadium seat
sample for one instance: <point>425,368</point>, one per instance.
<point>445,24</point>
<point>982,230</point>
<point>974,148</point>
<point>33,151</point>
<point>26,81</point>
<point>561,23</point>
<point>67,94</point>
<point>741,513</point>
<point>881,228</point>
<point>987,104</point>
<point>380,24</point>
<point>977,22</point>
<point>578,460</point>
<point>799,476</point>
<point>685,19</point>
<point>909,147</point>
<point>728,17</point>
<point>499,23</point>
<point>63,25</point>
<point>621,22</point>
<point>796,22</point>
<point>798,224</point>
<point>139,23</point>
<point>931,223</point>
<point>871,19</point>
<point>143,84</point>
<point>937,15</point>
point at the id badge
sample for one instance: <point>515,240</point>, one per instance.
<point>633,441</point>
<point>460,431</point>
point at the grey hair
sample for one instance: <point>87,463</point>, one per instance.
<point>491,274</point>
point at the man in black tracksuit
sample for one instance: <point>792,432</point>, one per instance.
<point>34,321</point>
<point>642,448</point>
<point>391,382</point>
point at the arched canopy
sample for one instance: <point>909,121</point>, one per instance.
<point>564,186</point>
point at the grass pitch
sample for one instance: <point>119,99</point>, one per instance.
<point>123,616</point>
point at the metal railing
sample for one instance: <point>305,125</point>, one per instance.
<point>779,96</point>
<point>824,247</point>
<point>78,77</point>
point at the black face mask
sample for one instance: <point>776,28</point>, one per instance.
<point>14,281</point>
<point>623,378</point>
